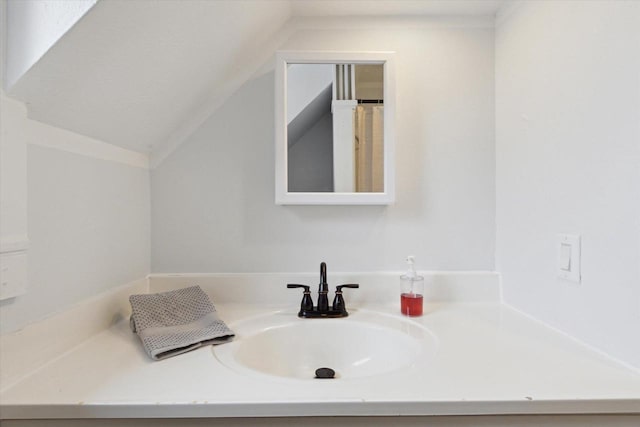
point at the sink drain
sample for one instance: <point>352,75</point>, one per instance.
<point>325,373</point>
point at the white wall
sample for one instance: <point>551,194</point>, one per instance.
<point>87,210</point>
<point>213,204</point>
<point>568,161</point>
<point>33,26</point>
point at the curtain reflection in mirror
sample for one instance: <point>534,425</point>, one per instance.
<point>369,131</point>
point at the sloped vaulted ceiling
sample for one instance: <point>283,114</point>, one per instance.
<point>136,73</point>
<point>131,72</point>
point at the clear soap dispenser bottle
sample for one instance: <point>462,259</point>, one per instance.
<point>411,290</point>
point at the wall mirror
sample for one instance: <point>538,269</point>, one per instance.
<point>334,120</point>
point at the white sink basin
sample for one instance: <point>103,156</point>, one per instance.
<point>364,344</point>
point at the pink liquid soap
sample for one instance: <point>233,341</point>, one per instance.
<point>411,304</point>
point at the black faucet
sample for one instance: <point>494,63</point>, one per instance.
<point>338,308</point>
<point>323,290</point>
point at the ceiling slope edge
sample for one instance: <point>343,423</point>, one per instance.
<point>65,16</point>
<point>255,62</point>
<point>17,89</point>
<point>259,60</point>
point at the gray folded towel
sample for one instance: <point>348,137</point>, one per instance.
<point>174,322</point>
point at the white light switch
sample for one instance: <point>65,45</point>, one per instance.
<point>569,257</point>
<point>564,261</point>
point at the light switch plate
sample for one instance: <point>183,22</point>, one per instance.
<point>13,274</point>
<point>568,257</point>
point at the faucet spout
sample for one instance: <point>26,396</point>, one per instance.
<point>323,290</point>
<point>324,286</point>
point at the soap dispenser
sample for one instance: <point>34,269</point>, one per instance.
<point>411,290</point>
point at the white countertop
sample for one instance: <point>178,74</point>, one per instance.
<point>490,360</point>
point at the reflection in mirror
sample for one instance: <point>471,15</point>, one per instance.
<point>335,127</point>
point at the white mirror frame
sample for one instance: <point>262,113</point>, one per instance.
<point>283,196</point>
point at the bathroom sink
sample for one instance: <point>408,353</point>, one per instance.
<point>364,344</point>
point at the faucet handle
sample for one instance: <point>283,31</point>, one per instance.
<point>338,301</point>
<point>307,303</point>
<point>347,285</point>
<point>295,285</point>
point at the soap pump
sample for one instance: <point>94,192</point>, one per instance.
<point>411,290</point>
